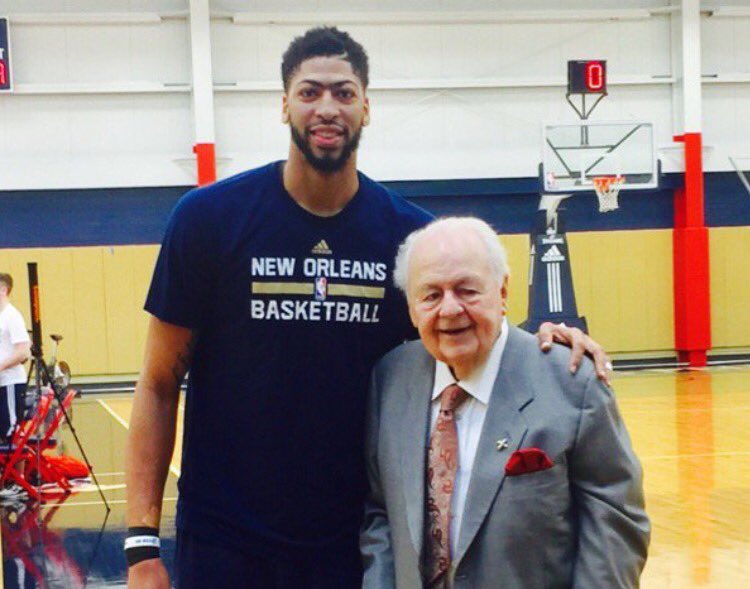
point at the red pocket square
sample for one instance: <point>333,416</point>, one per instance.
<point>527,460</point>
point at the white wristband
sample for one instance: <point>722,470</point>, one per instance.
<point>142,542</point>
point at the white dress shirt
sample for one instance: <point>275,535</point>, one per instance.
<point>469,421</point>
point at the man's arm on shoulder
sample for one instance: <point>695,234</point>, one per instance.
<point>375,537</point>
<point>580,344</point>
<point>151,435</point>
<point>613,528</point>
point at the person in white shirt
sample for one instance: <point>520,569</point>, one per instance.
<point>14,351</point>
<point>490,464</point>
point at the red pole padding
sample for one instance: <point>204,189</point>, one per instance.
<point>206,162</point>
<point>692,300</point>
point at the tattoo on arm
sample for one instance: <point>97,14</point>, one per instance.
<point>184,357</point>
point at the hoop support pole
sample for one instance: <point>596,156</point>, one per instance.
<point>206,162</point>
<point>202,94</point>
<point>692,300</point>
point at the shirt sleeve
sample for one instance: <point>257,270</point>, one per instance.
<point>183,277</point>
<point>17,329</point>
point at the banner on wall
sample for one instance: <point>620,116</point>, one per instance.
<point>5,72</point>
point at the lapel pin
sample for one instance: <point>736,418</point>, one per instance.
<point>501,444</point>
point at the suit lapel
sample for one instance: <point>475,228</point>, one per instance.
<point>503,422</point>
<point>415,428</point>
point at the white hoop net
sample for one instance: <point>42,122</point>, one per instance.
<point>607,188</point>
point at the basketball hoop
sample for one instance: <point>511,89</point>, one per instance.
<point>607,188</point>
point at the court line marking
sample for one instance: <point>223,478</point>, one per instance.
<point>110,501</point>
<point>118,418</point>
<point>92,488</point>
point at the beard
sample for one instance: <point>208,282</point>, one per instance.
<point>327,164</point>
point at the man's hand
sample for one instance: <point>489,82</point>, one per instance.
<point>580,344</point>
<point>148,574</point>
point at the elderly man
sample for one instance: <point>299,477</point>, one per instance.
<point>490,465</point>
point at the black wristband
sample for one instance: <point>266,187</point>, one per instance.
<point>141,543</point>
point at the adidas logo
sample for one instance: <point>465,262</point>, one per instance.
<point>553,255</point>
<point>321,248</point>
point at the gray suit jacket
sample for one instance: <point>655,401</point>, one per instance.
<point>580,524</point>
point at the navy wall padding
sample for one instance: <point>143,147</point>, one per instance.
<point>104,216</point>
<point>515,213</point>
<point>508,204</point>
<point>727,201</point>
<point>127,216</point>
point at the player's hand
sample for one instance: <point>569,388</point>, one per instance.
<point>148,574</point>
<point>580,344</point>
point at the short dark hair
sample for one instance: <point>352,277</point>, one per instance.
<point>324,42</point>
<point>7,280</point>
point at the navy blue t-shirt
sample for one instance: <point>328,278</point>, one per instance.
<point>292,311</point>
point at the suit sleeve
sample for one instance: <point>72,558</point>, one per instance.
<point>375,537</point>
<point>607,486</point>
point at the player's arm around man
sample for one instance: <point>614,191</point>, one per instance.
<point>151,440</point>
<point>580,344</point>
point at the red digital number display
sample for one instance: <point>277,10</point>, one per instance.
<point>594,76</point>
<point>3,75</point>
<point>587,77</point>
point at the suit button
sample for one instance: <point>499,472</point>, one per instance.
<point>461,577</point>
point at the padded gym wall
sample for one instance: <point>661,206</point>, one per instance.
<point>94,295</point>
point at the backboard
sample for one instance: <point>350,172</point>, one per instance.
<point>574,153</point>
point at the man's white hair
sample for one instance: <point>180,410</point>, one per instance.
<point>496,254</point>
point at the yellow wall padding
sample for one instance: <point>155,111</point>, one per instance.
<point>729,248</point>
<point>624,287</point>
<point>517,247</point>
<point>94,296</point>
<point>623,284</point>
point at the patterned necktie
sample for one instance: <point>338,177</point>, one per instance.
<point>442,462</point>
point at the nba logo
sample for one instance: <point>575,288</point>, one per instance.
<point>321,288</point>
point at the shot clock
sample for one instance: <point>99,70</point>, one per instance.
<point>587,77</point>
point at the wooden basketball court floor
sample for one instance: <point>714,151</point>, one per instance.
<point>691,430</point>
